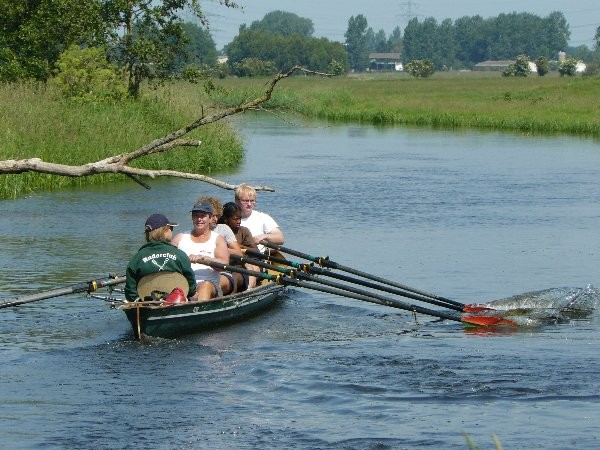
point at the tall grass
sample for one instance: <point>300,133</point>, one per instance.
<point>534,104</point>
<point>34,122</point>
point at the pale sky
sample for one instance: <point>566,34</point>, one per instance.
<point>330,17</point>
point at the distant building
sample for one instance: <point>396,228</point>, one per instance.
<point>222,59</point>
<point>391,62</point>
<point>493,65</point>
<point>501,65</point>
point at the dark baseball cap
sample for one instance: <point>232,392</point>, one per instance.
<point>156,221</point>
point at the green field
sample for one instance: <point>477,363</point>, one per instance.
<point>36,123</point>
<point>534,104</point>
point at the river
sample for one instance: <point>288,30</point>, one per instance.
<point>477,217</point>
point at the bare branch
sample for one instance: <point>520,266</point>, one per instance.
<point>119,163</point>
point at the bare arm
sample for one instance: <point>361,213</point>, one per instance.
<point>275,236</point>
<point>175,241</point>
<point>235,249</point>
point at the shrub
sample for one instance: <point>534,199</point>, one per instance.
<point>336,68</point>
<point>519,69</point>
<point>568,67</point>
<point>85,74</point>
<point>543,65</point>
<point>420,68</point>
<point>254,67</point>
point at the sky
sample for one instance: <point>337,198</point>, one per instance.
<point>330,17</point>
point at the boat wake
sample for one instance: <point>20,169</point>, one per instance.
<point>555,305</point>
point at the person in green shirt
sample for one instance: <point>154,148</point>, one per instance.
<point>158,255</point>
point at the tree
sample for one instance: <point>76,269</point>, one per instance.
<point>147,37</point>
<point>280,52</point>
<point>85,74</point>
<point>35,33</point>
<point>356,43</point>
<point>284,23</point>
<point>199,48</point>
<point>395,41</point>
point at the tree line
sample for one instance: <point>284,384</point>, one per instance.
<point>135,40</point>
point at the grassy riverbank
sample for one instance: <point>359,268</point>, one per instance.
<point>534,104</point>
<point>34,123</point>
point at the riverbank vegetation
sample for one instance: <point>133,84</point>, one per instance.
<point>550,104</point>
<point>36,122</point>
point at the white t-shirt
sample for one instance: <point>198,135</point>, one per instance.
<point>259,223</point>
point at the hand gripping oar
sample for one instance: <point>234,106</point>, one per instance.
<point>87,286</point>
<point>326,262</point>
<point>310,268</point>
<point>358,295</point>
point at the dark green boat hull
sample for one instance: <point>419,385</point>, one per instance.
<point>194,317</point>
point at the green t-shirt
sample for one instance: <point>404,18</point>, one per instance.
<point>154,257</point>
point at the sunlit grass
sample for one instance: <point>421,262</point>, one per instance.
<point>534,104</point>
<point>34,122</point>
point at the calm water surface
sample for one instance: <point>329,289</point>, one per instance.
<point>471,216</point>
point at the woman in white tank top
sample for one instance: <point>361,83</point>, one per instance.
<point>202,244</point>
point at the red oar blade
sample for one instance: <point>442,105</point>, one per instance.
<point>487,321</point>
<point>476,308</point>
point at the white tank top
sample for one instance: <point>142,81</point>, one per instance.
<point>207,248</point>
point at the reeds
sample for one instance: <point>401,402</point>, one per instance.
<point>34,122</point>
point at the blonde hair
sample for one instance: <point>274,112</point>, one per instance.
<point>158,234</point>
<point>214,202</point>
<point>244,189</point>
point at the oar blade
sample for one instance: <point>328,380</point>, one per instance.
<point>476,308</point>
<point>487,321</point>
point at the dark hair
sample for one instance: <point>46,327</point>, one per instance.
<point>229,209</point>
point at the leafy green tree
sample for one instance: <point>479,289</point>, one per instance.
<point>84,74</point>
<point>199,47</point>
<point>395,41</point>
<point>356,43</point>
<point>581,53</point>
<point>35,33</point>
<point>420,68</point>
<point>471,36</point>
<point>283,51</point>
<point>147,36</point>
<point>284,23</point>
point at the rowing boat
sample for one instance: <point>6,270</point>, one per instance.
<point>160,319</point>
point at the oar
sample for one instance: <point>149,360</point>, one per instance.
<point>310,268</point>
<point>372,298</point>
<point>307,268</point>
<point>324,261</point>
<point>87,286</point>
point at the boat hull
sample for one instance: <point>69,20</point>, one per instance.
<point>193,317</point>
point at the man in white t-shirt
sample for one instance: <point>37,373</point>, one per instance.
<point>261,225</point>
